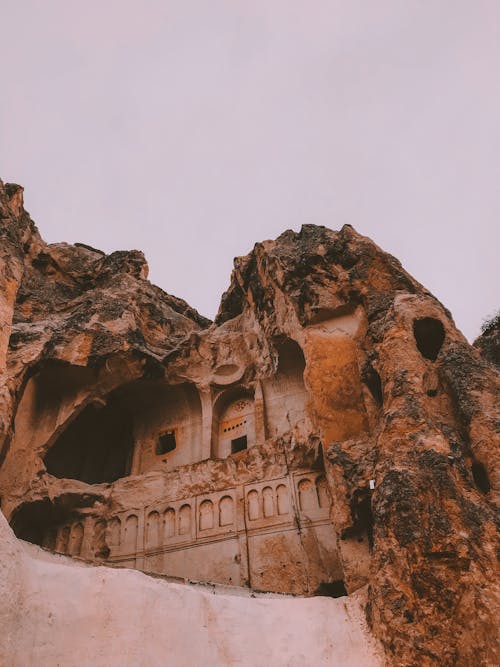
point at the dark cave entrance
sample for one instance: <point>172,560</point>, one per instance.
<point>372,380</point>
<point>96,447</point>
<point>332,589</point>
<point>429,336</point>
<point>37,522</point>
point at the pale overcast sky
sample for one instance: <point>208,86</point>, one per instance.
<point>192,129</point>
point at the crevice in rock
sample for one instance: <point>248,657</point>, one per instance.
<point>480,477</point>
<point>372,380</point>
<point>362,516</point>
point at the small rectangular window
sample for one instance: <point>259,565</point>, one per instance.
<point>238,444</point>
<point>166,443</point>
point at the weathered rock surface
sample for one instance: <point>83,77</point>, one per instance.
<point>370,427</point>
<point>488,343</point>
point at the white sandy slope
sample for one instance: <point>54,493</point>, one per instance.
<point>55,612</point>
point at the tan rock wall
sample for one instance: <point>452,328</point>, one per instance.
<point>346,367</point>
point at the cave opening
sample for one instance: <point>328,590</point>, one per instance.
<point>290,358</point>
<point>429,336</point>
<point>332,589</point>
<point>36,522</point>
<point>361,511</point>
<point>96,447</point>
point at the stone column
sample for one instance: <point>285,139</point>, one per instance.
<point>260,417</point>
<point>135,468</point>
<point>242,537</point>
<point>139,557</point>
<point>206,424</point>
<point>88,531</point>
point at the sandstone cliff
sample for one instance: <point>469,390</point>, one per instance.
<point>401,413</point>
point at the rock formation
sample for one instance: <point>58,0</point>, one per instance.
<point>330,431</point>
<point>488,342</point>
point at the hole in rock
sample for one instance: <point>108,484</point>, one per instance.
<point>291,358</point>
<point>429,336</point>
<point>166,443</point>
<point>36,522</point>
<point>238,444</point>
<point>361,510</point>
<point>96,447</point>
<point>480,477</point>
<point>432,392</point>
<point>333,589</point>
<point>365,518</point>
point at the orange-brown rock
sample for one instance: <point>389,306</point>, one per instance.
<point>331,430</point>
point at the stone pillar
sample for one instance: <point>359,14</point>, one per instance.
<point>206,424</point>
<point>88,531</point>
<point>139,557</point>
<point>242,537</point>
<point>135,468</point>
<point>260,417</point>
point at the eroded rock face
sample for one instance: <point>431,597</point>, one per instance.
<point>488,343</point>
<point>330,429</point>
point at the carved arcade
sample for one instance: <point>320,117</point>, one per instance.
<point>157,538</point>
<point>272,532</point>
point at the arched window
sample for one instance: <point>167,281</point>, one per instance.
<point>226,511</point>
<point>153,530</point>
<point>206,520</point>
<point>130,536</point>
<point>322,492</point>
<point>253,505</point>
<point>282,498</point>
<point>235,424</point>
<point>185,520</point>
<point>114,527</point>
<point>285,394</point>
<point>268,501</point>
<point>307,495</point>
<point>168,523</point>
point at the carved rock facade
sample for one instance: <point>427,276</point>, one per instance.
<point>331,429</point>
